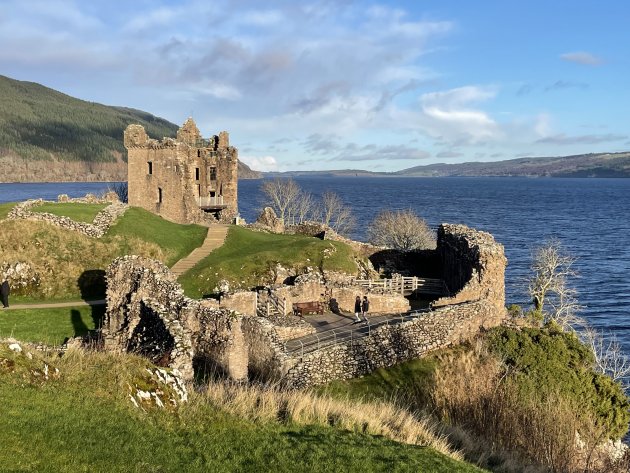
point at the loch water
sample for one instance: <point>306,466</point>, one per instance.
<point>591,217</point>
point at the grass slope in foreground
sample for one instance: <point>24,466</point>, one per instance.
<point>84,421</point>
<point>248,259</point>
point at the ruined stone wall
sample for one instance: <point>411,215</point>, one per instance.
<point>266,355</point>
<point>243,302</point>
<point>390,344</point>
<point>147,313</point>
<point>317,290</point>
<point>99,226</point>
<point>473,266</point>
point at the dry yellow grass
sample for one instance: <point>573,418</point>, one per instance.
<point>269,404</point>
<point>60,257</point>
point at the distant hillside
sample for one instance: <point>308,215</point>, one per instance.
<point>49,136</point>
<point>582,165</point>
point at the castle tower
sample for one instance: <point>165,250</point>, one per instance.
<point>185,180</point>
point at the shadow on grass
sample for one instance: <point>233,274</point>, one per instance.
<point>92,285</point>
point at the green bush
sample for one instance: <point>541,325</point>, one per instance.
<point>547,361</point>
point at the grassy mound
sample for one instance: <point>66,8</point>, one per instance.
<point>248,258</point>
<point>175,240</point>
<point>79,212</point>
<point>71,265</point>
<point>93,426</point>
<point>50,326</point>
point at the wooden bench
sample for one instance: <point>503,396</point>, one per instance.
<point>301,308</point>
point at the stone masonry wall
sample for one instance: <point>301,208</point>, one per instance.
<point>147,313</point>
<point>473,266</point>
<point>390,344</point>
<point>99,226</point>
<point>316,290</point>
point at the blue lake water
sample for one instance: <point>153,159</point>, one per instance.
<point>590,216</point>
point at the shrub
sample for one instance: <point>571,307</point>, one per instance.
<point>547,361</point>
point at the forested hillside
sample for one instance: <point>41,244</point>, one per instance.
<point>49,136</point>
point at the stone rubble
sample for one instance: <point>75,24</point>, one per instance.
<point>99,226</point>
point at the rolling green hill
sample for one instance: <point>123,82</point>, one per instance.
<point>46,135</point>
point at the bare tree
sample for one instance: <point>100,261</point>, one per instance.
<point>121,189</point>
<point>304,207</point>
<point>336,214</point>
<point>608,354</point>
<point>282,194</point>
<point>402,230</point>
<point>552,267</point>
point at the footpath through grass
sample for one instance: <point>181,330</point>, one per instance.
<point>84,421</point>
<point>79,212</point>
<point>248,259</point>
<point>49,326</point>
<point>178,240</point>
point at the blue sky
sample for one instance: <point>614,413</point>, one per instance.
<point>340,84</point>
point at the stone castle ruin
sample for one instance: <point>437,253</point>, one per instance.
<point>185,180</point>
<point>148,314</point>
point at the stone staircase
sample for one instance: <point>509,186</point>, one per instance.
<point>214,239</point>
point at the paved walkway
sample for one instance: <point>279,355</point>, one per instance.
<point>53,305</point>
<point>332,329</point>
<point>214,239</point>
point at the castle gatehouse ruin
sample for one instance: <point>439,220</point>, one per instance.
<point>148,314</point>
<point>185,180</point>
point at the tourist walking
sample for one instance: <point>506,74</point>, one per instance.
<point>357,309</point>
<point>364,308</point>
<point>4,293</point>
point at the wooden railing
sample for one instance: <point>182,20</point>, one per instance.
<point>210,201</point>
<point>275,301</point>
<point>406,285</point>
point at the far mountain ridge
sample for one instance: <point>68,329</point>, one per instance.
<point>581,165</point>
<point>46,135</point>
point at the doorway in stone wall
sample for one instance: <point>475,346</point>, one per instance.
<point>151,338</point>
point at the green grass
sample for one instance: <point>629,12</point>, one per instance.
<point>407,383</point>
<point>5,208</point>
<point>84,422</point>
<point>78,212</point>
<point>144,225</point>
<point>49,326</point>
<point>247,258</point>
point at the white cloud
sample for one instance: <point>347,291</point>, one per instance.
<point>260,163</point>
<point>582,57</point>
<point>450,115</point>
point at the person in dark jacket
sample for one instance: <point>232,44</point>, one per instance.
<point>4,293</point>
<point>357,309</point>
<point>364,308</point>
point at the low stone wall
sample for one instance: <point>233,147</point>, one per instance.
<point>243,302</point>
<point>99,226</point>
<point>391,344</point>
<point>147,313</point>
<point>314,289</point>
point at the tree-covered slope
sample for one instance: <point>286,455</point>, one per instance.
<point>46,135</point>
<point>40,123</point>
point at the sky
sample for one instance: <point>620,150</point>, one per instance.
<point>324,84</point>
